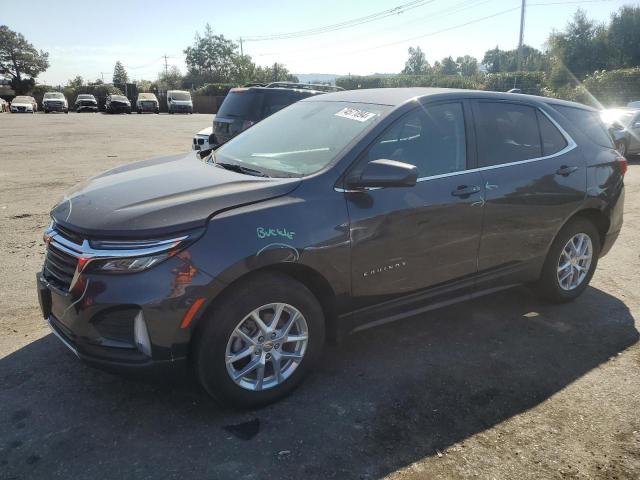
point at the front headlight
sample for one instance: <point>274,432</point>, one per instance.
<point>109,256</point>
<point>128,265</point>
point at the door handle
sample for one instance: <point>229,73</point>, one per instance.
<point>465,190</point>
<point>565,171</point>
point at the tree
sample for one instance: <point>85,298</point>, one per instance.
<point>76,82</point>
<point>447,67</point>
<point>417,63</point>
<point>120,76</point>
<point>20,59</point>
<point>211,58</point>
<point>143,85</point>
<point>171,79</point>
<point>581,47</point>
<point>530,60</point>
<point>467,65</point>
<point>623,37</point>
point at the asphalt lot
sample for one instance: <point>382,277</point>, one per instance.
<point>502,387</point>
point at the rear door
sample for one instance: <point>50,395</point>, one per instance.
<point>534,179</point>
<point>408,239</point>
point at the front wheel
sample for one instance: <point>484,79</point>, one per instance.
<point>260,341</point>
<point>571,262</point>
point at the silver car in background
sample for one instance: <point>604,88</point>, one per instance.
<point>147,102</point>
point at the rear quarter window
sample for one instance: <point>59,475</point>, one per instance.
<point>552,140</point>
<point>589,123</point>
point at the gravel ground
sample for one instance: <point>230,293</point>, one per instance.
<point>502,387</point>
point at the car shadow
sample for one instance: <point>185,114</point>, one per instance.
<point>383,399</point>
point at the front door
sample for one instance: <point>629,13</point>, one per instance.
<point>407,239</point>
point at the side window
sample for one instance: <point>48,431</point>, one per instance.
<point>552,140</point>
<point>507,132</point>
<point>589,123</point>
<point>432,138</point>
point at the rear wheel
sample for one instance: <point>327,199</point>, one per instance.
<point>260,341</point>
<point>571,262</point>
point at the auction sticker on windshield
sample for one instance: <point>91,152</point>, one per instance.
<point>355,114</point>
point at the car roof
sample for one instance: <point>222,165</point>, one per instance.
<point>398,96</point>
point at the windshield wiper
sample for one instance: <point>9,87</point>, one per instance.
<point>240,169</point>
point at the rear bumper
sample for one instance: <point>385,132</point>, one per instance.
<point>91,108</point>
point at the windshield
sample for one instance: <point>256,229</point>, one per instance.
<point>179,95</point>
<point>119,98</point>
<point>146,96</point>
<point>53,95</point>
<point>22,100</point>
<point>85,97</point>
<point>300,139</point>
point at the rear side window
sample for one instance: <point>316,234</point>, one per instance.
<point>507,132</point>
<point>277,101</point>
<point>552,140</point>
<point>589,123</point>
<point>243,104</point>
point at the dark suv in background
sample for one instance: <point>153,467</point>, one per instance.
<point>339,212</point>
<point>246,106</point>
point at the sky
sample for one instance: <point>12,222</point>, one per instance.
<point>86,38</point>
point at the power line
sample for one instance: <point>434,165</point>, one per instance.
<point>342,25</point>
<point>458,8</point>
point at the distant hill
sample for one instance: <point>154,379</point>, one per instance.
<point>317,77</point>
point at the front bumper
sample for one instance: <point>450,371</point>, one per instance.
<point>54,107</point>
<point>96,321</point>
<point>148,107</point>
<point>90,108</point>
<point>119,108</point>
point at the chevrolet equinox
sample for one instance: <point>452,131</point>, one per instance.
<point>339,212</point>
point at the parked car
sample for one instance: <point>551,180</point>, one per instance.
<point>341,211</point>
<point>201,139</point>
<point>246,106</point>
<point>147,102</point>
<point>179,101</point>
<point>117,104</point>
<point>624,127</point>
<point>86,102</point>
<point>24,104</point>
<point>4,105</point>
<point>55,102</point>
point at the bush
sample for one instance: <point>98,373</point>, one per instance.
<point>531,83</point>
<point>612,87</point>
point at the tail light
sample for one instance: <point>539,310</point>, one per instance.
<point>624,166</point>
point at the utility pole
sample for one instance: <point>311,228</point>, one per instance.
<point>166,66</point>
<point>241,51</point>
<point>523,9</point>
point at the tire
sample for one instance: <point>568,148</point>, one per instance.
<point>139,111</point>
<point>231,313</point>
<point>46,111</point>
<point>549,285</point>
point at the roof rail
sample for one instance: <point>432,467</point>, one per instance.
<point>305,86</point>
<point>255,84</point>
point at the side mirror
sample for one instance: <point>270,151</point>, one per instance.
<point>385,173</point>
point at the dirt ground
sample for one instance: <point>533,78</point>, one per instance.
<point>499,388</point>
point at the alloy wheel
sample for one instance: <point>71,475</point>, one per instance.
<point>575,261</point>
<point>267,346</point>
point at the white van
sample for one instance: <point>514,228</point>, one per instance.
<point>179,101</point>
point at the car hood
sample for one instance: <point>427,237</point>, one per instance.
<point>205,132</point>
<point>22,104</point>
<point>158,197</point>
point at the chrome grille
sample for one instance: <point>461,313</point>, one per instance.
<point>59,267</point>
